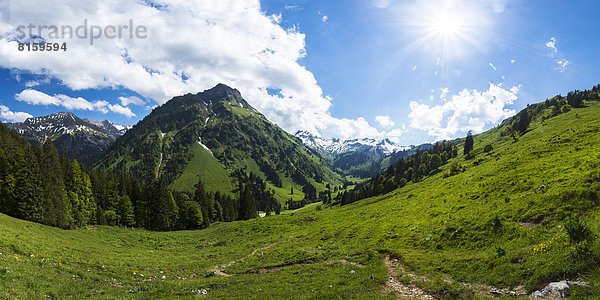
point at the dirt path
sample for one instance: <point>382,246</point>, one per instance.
<point>218,269</point>
<point>402,290</point>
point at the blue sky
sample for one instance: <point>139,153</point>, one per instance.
<point>414,71</point>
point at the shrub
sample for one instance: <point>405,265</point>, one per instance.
<point>500,251</point>
<point>577,230</point>
<point>496,223</point>
<point>488,148</point>
<point>455,168</point>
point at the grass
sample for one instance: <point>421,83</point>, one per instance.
<point>499,223</point>
<point>203,165</point>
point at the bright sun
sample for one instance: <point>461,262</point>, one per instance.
<point>446,25</point>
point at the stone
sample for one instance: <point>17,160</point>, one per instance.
<point>557,290</point>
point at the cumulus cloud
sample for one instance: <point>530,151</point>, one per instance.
<point>126,101</point>
<point>468,110</point>
<point>552,44</point>
<point>385,121</point>
<point>118,109</point>
<point>34,97</point>
<point>7,114</point>
<point>324,19</point>
<point>191,46</point>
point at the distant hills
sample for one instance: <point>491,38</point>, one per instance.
<point>83,139</point>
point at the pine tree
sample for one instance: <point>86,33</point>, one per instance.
<point>524,120</point>
<point>247,208</point>
<point>28,190</point>
<point>191,215</point>
<point>468,144</point>
<point>164,210</point>
<point>206,204</point>
<point>125,210</point>
<point>56,210</point>
<point>435,162</point>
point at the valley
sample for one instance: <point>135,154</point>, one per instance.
<point>498,223</point>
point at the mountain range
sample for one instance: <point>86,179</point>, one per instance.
<point>364,157</point>
<point>211,136</point>
<point>83,139</point>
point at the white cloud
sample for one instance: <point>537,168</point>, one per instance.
<point>6,114</point>
<point>34,83</point>
<point>385,121</point>
<point>562,65</point>
<point>552,44</point>
<point>34,97</point>
<point>118,109</point>
<point>444,93</point>
<point>324,19</point>
<point>126,101</point>
<point>276,18</point>
<point>469,110</point>
<point>193,45</point>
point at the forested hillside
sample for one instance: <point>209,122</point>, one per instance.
<point>217,130</point>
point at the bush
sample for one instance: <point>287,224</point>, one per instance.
<point>496,224</point>
<point>500,251</point>
<point>455,168</point>
<point>488,148</point>
<point>577,230</point>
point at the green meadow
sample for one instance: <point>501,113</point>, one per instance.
<point>516,217</point>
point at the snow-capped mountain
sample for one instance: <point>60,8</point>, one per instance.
<point>363,157</point>
<point>333,146</point>
<point>110,128</point>
<point>83,139</point>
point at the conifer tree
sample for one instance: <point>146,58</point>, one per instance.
<point>468,144</point>
<point>164,212</point>
<point>206,204</point>
<point>247,208</point>
<point>56,210</point>
<point>125,210</point>
<point>524,120</point>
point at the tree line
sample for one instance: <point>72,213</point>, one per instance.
<point>412,169</point>
<point>40,185</point>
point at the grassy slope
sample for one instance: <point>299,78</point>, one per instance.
<point>203,165</point>
<point>440,228</point>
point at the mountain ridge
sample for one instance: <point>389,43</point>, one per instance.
<point>83,139</point>
<point>217,127</point>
